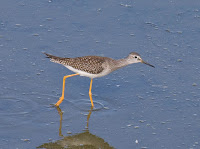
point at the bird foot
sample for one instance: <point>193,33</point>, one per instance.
<point>59,101</point>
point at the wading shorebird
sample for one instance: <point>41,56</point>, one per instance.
<point>93,67</point>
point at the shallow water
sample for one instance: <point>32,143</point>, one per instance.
<point>135,107</point>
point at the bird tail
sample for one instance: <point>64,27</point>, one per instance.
<point>55,59</point>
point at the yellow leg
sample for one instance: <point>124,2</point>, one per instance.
<point>63,89</point>
<point>90,93</point>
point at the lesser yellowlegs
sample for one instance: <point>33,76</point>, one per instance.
<point>93,67</point>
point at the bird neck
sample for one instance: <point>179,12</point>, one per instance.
<point>121,63</point>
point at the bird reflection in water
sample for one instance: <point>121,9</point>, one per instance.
<point>84,140</point>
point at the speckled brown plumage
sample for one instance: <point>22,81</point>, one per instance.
<point>90,64</point>
<point>96,66</point>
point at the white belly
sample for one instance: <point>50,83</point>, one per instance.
<point>90,75</point>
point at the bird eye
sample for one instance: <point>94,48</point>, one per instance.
<point>135,56</point>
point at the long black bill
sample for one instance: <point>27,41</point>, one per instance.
<point>147,64</point>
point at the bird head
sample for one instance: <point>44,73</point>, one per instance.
<point>134,57</point>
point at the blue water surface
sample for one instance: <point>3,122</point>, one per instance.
<point>135,107</point>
